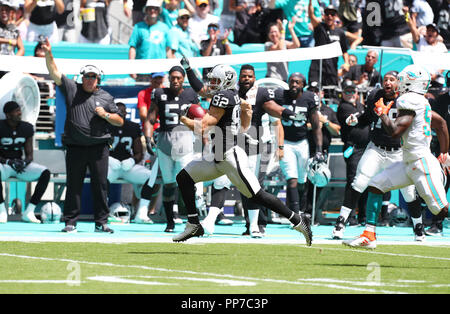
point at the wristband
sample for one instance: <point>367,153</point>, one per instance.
<point>107,116</point>
<point>327,123</point>
<point>280,147</point>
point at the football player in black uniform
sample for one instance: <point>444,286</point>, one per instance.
<point>306,105</point>
<point>224,115</point>
<point>382,151</point>
<point>125,155</point>
<point>175,141</point>
<point>262,101</point>
<point>17,138</point>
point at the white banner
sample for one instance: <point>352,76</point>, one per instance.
<point>431,61</point>
<point>110,67</point>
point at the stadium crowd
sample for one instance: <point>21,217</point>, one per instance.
<point>185,28</point>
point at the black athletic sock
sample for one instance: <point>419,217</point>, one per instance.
<point>270,201</point>
<point>351,198</point>
<point>415,208</point>
<point>146,192</point>
<point>218,197</point>
<point>293,199</point>
<point>41,186</point>
<point>187,190</point>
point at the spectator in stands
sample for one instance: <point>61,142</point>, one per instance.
<point>90,110</point>
<point>325,32</point>
<point>95,26</point>
<point>17,139</point>
<point>299,9</point>
<point>198,25</point>
<point>66,23</point>
<point>137,13</point>
<point>149,39</point>
<point>10,39</point>
<point>350,15</point>
<point>365,75</point>
<point>428,43</point>
<point>393,24</point>
<point>180,41</point>
<point>20,20</point>
<point>422,13</point>
<point>215,45</point>
<point>39,52</point>
<point>42,18</point>
<point>171,9</point>
<point>276,41</point>
<point>343,69</point>
<point>246,26</point>
<point>355,140</point>
<point>144,96</point>
<point>442,20</point>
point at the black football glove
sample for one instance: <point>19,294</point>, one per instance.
<point>185,63</point>
<point>18,165</point>
<point>150,143</point>
<point>183,112</point>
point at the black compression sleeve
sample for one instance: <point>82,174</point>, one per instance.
<point>196,84</point>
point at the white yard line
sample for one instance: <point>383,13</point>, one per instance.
<point>322,282</point>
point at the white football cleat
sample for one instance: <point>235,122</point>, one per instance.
<point>30,217</point>
<point>143,220</point>
<point>256,234</point>
<point>366,240</point>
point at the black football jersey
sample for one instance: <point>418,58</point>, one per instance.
<point>377,133</point>
<point>123,138</point>
<point>170,106</point>
<point>257,96</point>
<point>262,95</point>
<point>12,142</point>
<point>230,123</point>
<point>306,104</point>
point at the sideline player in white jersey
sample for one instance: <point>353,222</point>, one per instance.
<point>229,158</point>
<point>125,155</point>
<point>413,124</point>
<point>382,151</point>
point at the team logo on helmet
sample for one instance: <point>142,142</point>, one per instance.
<point>318,172</point>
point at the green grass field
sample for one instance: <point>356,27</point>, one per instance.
<point>215,268</point>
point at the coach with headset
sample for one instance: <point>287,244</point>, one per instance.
<point>90,110</point>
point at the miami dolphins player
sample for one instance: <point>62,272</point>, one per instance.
<point>413,124</point>
<point>382,151</point>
